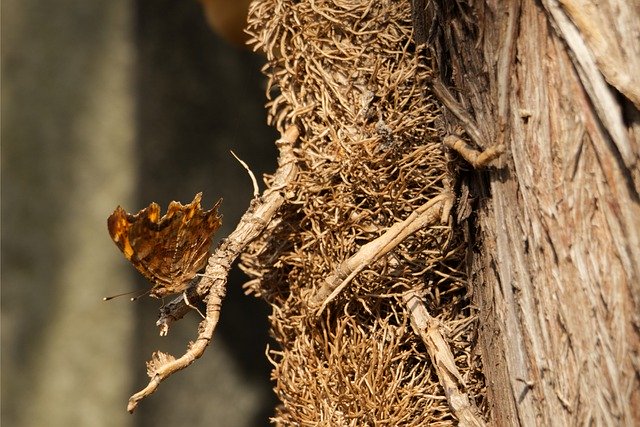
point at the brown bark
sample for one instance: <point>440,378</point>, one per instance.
<point>555,269</point>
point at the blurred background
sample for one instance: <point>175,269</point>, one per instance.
<point>110,102</point>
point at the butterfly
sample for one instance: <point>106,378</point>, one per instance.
<point>169,250</point>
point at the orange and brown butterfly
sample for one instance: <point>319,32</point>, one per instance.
<point>169,250</point>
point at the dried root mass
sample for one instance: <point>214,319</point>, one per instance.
<point>369,155</point>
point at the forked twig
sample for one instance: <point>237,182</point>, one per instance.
<point>213,284</point>
<point>428,214</point>
<point>427,328</point>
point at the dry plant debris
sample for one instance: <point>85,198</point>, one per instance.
<point>345,254</point>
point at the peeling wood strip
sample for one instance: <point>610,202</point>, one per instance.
<point>600,94</point>
<point>611,29</point>
<point>504,71</point>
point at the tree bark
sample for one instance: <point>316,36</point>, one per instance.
<point>555,265</point>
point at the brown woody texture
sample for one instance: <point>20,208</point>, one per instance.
<point>556,273</point>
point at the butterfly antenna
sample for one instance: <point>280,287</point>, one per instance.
<point>123,294</point>
<point>140,295</point>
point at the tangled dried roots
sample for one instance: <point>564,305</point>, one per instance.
<point>348,74</point>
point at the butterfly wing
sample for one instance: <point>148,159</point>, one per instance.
<point>192,238</point>
<point>168,251</point>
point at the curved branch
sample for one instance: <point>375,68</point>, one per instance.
<point>213,284</point>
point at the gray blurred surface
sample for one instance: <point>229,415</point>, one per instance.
<point>107,103</point>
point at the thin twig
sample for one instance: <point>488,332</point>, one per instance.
<point>256,190</point>
<point>212,286</point>
<point>427,214</point>
<point>426,327</point>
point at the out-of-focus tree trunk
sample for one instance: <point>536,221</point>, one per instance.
<point>555,265</point>
<point>107,103</point>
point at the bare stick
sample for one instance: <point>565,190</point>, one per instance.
<point>214,280</point>
<point>427,328</point>
<point>427,214</point>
